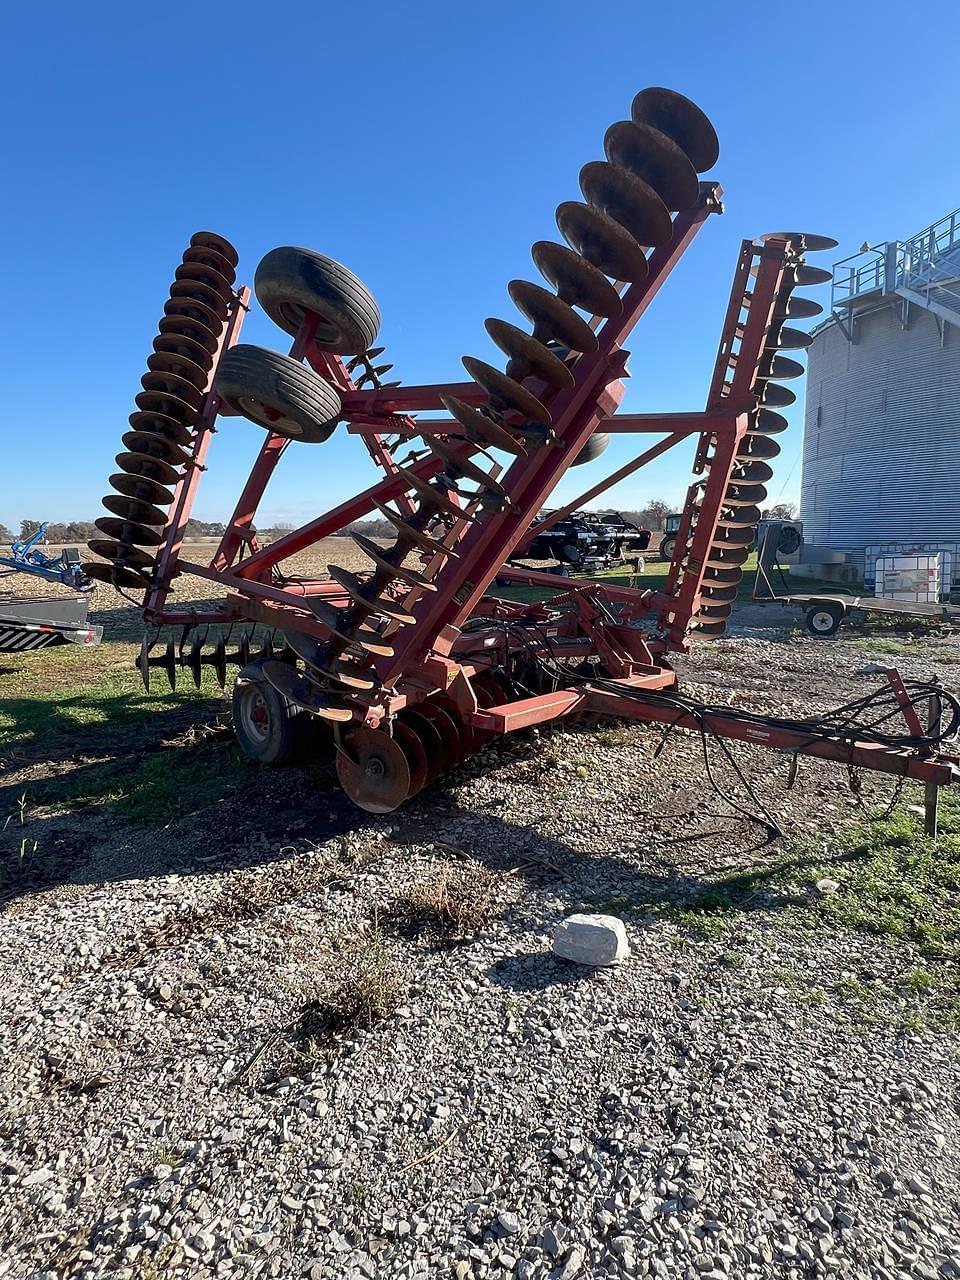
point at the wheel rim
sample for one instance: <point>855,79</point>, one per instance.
<point>254,714</point>
<point>268,417</point>
<point>821,620</point>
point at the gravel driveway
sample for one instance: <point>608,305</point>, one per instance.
<point>278,1037</point>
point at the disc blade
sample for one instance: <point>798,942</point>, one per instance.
<point>681,120</point>
<point>552,318</point>
<point>602,241</point>
<point>576,280</point>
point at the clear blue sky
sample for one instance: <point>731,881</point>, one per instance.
<point>426,146</point>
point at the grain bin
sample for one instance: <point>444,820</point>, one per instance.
<point>882,430</point>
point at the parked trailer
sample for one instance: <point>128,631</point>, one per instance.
<point>39,622</point>
<point>824,612</point>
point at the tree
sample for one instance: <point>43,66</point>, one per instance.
<point>28,528</point>
<point>782,511</point>
<point>6,537</point>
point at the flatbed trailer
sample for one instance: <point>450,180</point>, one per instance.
<point>825,611</point>
<point>39,622</point>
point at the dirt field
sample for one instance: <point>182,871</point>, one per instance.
<point>249,1030</point>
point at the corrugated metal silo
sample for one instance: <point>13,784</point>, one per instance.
<point>881,450</point>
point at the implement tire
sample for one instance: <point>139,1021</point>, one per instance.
<point>291,282</point>
<point>280,394</point>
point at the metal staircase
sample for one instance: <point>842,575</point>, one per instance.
<point>923,271</point>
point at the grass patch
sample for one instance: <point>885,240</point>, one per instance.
<point>370,985</point>
<point>85,690</point>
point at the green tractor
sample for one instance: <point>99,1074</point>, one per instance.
<point>671,526</point>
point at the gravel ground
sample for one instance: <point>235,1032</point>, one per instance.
<point>189,1087</point>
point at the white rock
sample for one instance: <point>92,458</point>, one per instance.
<point>591,939</point>
<point>827,886</point>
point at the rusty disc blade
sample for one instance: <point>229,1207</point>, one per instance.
<point>576,280</point>
<point>415,537</point>
<point>133,511</point>
<point>180,326</point>
<point>804,241</point>
<point>776,397</point>
<point>178,344</point>
<point>181,366</point>
<point>551,317</point>
<point>155,423</point>
<point>125,531</point>
<point>381,605</point>
<point>376,772</point>
<point>130,556</point>
<point>361,637</point>
<point>141,488</point>
<point>720,595</point>
<point>161,405</point>
<point>727,575</point>
<point>681,120</point>
<point>292,684</point>
<point>783,368</point>
<point>528,355</point>
<point>506,391</point>
<point>652,156</point>
<point>145,464</point>
<point>709,612</point>
<point>627,199</point>
<point>726,557</point>
<point>210,240</point>
<point>744,494</point>
<point>807,275</point>
<point>448,730</point>
<point>430,495</point>
<point>752,472</point>
<point>796,307</point>
<point>733,536</point>
<point>787,339</point>
<point>413,577</point>
<point>456,464</point>
<point>197,291</point>
<point>739,517</point>
<point>754,446</point>
<point>194,272</point>
<point>430,740</point>
<point>305,647</point>
<point>209,257</point>
<point>413,749</point>
<point>149,444</point>
<point>601,240</point>
<point>769,423</point>
<point>479,428</point>
<point>196,310</point>
<point>117,574</point>
<point>709,629</point>
<point>171,384</point>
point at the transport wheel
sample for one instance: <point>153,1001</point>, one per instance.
<point>667,547</point>
<point>598,443</point>
<point>824,619</point>
<point>291,282</point>
<point>269,729</point>
<point>278,393</point>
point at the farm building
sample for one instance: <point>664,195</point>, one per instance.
<point>882,430</point>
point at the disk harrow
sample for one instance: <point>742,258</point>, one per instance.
<point>413,665</point>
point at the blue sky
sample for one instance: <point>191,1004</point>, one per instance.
<point>426,146</point>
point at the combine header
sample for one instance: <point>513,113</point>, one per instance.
<point>414,664</point>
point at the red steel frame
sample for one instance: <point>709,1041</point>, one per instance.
<point>433,653</point>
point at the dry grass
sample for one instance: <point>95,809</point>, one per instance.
<point>456,902</point>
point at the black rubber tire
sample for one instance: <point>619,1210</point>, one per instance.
<point>259,384</point>
<point>291,281</point>
<point>816,616</point>
<point>285,729</point>
<point>668,546</point>
<point>598,443</point>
